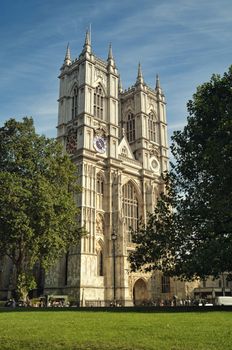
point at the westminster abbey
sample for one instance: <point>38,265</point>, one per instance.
<point>118,140</point>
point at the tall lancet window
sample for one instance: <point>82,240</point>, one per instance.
<point>100,244</point>
<point>98,102</point>
<point>75,103</point>
<point>130,208</point>
<point>130,127</point>
<point>100,271</point>
<point>152,127</point>
<point>100,190</point>
<point>165,282</point>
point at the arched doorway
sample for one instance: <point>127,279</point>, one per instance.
<point>140,292</point>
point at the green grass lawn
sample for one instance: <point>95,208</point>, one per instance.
<point>70,330</point>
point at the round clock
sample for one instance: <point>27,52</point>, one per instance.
<point>154,164</point>
<point>99,143</point>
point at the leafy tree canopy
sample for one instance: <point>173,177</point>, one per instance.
<point>190,232</point>
<point>38,213</point>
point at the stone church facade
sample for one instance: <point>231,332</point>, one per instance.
<point>118,140</point>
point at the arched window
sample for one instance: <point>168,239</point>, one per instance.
<point>100,190</point>
<point>100,258</point>
<point>165,283</point>
<point>130,127</point>
<point>100,271</point>
<point>100,184</point>
<point>98,102</point>
<point>130,208</point>
<point>152,127</point>
<point>75,103</point>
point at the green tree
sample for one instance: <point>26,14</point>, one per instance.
<point>38,213</point>
<point>190,232</point>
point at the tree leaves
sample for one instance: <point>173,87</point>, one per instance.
<point>38,213</point>
<point>193,236</point>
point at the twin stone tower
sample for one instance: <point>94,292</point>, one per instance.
<point>118,141</point>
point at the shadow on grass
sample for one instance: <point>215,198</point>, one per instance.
<point>147,309</point>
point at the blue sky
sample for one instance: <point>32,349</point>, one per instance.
<point>184,41</point>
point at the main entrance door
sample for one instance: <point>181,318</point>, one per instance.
<point>140,292</point>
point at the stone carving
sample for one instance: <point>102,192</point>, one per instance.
<point>100,225</point>
<point>100,76</point>
<point>154,151</point>
<point>100,130</point>
<point>99,245</point>
<point>71,142</point>
<point>115,177</point>
<point>124,152</point>
<point>128,105</point>
<point>74,77</point>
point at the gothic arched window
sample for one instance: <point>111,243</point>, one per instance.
<point>75,103</point>
<point>165,284</point>
<point>130,127</point>
<point>100,184</point>
<point>100,271</point>
<point>130,208</point>
<point>100,257</point>
<point>152,127</point>
<point>100,190</point>
<point>98,102</point>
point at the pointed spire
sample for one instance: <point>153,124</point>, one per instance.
<point>157,82</point>
<point>87,38</point>
<point>87,44</point>
<point>110,58</point>
<point>67,59</point>
<point>120,84</point>
<point>110,54</point>
<point>140,75</point>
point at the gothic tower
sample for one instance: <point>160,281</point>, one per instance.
<point>118,140</point>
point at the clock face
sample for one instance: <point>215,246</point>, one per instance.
<point>154,164</point>
<point>99,143</point>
